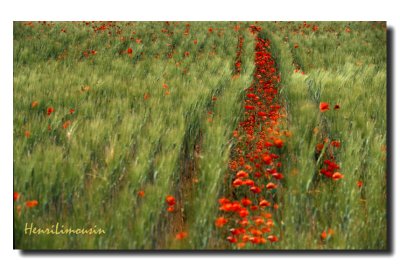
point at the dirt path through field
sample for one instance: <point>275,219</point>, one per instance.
<point>176,228</point>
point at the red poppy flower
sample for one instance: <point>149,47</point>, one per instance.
<point>223,201</point>
<point>27,134</point>
<point>16,196</point>
<point>319,147</point>
<point>246,202</point>
<point>235,231</point>
<point>265,203</point>
<point>226,207</point>
<point>231,239</point>
<point>50,110</point>
<point>259,221</point>
<point>34,104</point>
<point>181,235</point>
<point>271,186</point>
<point>220,222</point>
<point>278,176</point>
<point>255,189</point>
<point>243,212</point>
<point>244,222</point>
<point>249,107</point>
<point>326,172</point>
<point>268,215</point>
<point>242,173</point>
<point>254,207</point>
<point>323,235</point>
<point>265,229</point>
<point>323,106</point>
<point>272,238</point>
<point>335,144</point>
<point>249,182</point>
<point>337,176</point>
<point>270,223</point>
<point>141,193</point>
<point>66,124</point>
<point>254,240</point>
<point>171,209</point>
<point>170,200</point>
<point>360,184</point>
<point>262,114</point>
<point>237,182</point>
<point>129,51</point>
<point>278,143</point>
<point>31,203</point>
<point>71,111</point>
<point>256,232</point>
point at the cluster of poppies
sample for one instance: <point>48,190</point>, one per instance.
<point>314,27</point>
<point>247,210</point>
<point>28,203</point>
<point>187,29</point>
<point>89,53</point>
<point>170,200</point>
<point>102,27</point>
<point>171,203</point>
<point>329,169</point>
<point>238,62</point>
<point>49,111</point>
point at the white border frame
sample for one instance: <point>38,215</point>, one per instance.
<point>207,10</point>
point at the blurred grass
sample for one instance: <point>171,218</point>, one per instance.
<point>129,134</point>
<point>119,142</point>
<point>347,68</point>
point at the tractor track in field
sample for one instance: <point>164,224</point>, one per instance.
<point>250,207</point>
<point>176,222</point>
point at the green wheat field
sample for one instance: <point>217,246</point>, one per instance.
<point>146,135</point>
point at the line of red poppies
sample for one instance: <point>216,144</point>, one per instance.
<point>247,209</point>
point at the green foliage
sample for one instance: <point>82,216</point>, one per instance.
<point>138,118</point>
<point>347,68</point>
